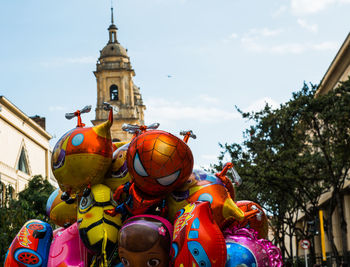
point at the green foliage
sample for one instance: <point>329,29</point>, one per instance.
<point>293,154</point>
<point>30,204</point>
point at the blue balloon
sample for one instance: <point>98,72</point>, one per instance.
<point>239,256</point>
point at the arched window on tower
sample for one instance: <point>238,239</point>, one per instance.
<point>113,92</point>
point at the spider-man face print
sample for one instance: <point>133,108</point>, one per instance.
<point>159,162</point>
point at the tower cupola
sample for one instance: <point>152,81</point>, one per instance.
<point>114,76</point>
<point>112,30</point>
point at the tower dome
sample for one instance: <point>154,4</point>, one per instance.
<point>113,48</point>
<point>114,76</point>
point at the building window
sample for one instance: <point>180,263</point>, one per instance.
<point>7,193</point>
<point>113,91</point>
<point>2,194</point>
<point>10,193</point>
<point>22,162</point>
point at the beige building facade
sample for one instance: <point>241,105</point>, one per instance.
<point>338,71</point>
<point>24,147</point>
<point>114,75</point>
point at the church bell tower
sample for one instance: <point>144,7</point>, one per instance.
<point>115,85</point>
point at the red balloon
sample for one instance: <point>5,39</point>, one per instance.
<point>159,162</point>
<point>198,240</point>
<point>257,221</point>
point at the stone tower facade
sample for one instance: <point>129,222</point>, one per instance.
<point>114,75</point>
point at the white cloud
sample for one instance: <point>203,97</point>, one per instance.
<point>304,7</point>
<point>251,39</point>
<point>279,11</point>
<point>209,99</point>
<point>264,32</point>
<point>56,108</point>
<point>252,44</point>
<point>309,6</point>
<point>256,45</point>
<point>310,27</point>
<point>326,46</point>
<point>171,113</point>
<point>289,48</point>
<point>59,62</point>
<point>260,104</point>
<point>164,111</point>
<point>229,38</point>
<point>254,34</point>
<point>233,36</point>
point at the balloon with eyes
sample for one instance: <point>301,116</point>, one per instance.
<point>98,230</point>
<point>145,240</point>
<point>82,156</point>
<point>216,189</point>
<point>118,173</point>
<point>159,162</point>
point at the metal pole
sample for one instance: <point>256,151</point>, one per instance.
<point>306,264</point>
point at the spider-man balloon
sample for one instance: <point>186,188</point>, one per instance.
<point>159,162</point>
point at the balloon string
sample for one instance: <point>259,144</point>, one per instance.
<point>93,262</point>
<point>104,244</point>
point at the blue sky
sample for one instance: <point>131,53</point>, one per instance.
<point>218,53</point>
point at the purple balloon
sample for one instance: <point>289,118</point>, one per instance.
<point>245,249</point>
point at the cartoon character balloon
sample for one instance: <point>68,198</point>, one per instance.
<point>203,186</point>
<point>98,230</point>
<point>198,240</point>
<point>159,162</point>
<point>82,156</point>
<point>145,240</point>
<point>118,173</point>
<point>67,249</point>
<point>31,245</point>
<point>245,249</point>
<point>59,211</point>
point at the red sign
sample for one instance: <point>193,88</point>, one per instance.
<point>305,244</point>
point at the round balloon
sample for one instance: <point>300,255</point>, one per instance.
<point>159,162</point>
<point>59,211</point>
<point>82,157</point>
<point>245,249</point>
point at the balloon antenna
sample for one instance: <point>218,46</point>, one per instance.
<point>70,116</point>
<point>187,135</point>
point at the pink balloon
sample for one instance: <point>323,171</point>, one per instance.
<point>67,249</point>
<point>244,240</point>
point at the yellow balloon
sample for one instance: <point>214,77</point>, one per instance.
<point>97,230</point>
<point>118,173</point>
<point>82,157</point>
<point>59,211</point>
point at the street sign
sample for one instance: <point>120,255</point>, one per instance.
<point>305,244</point>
